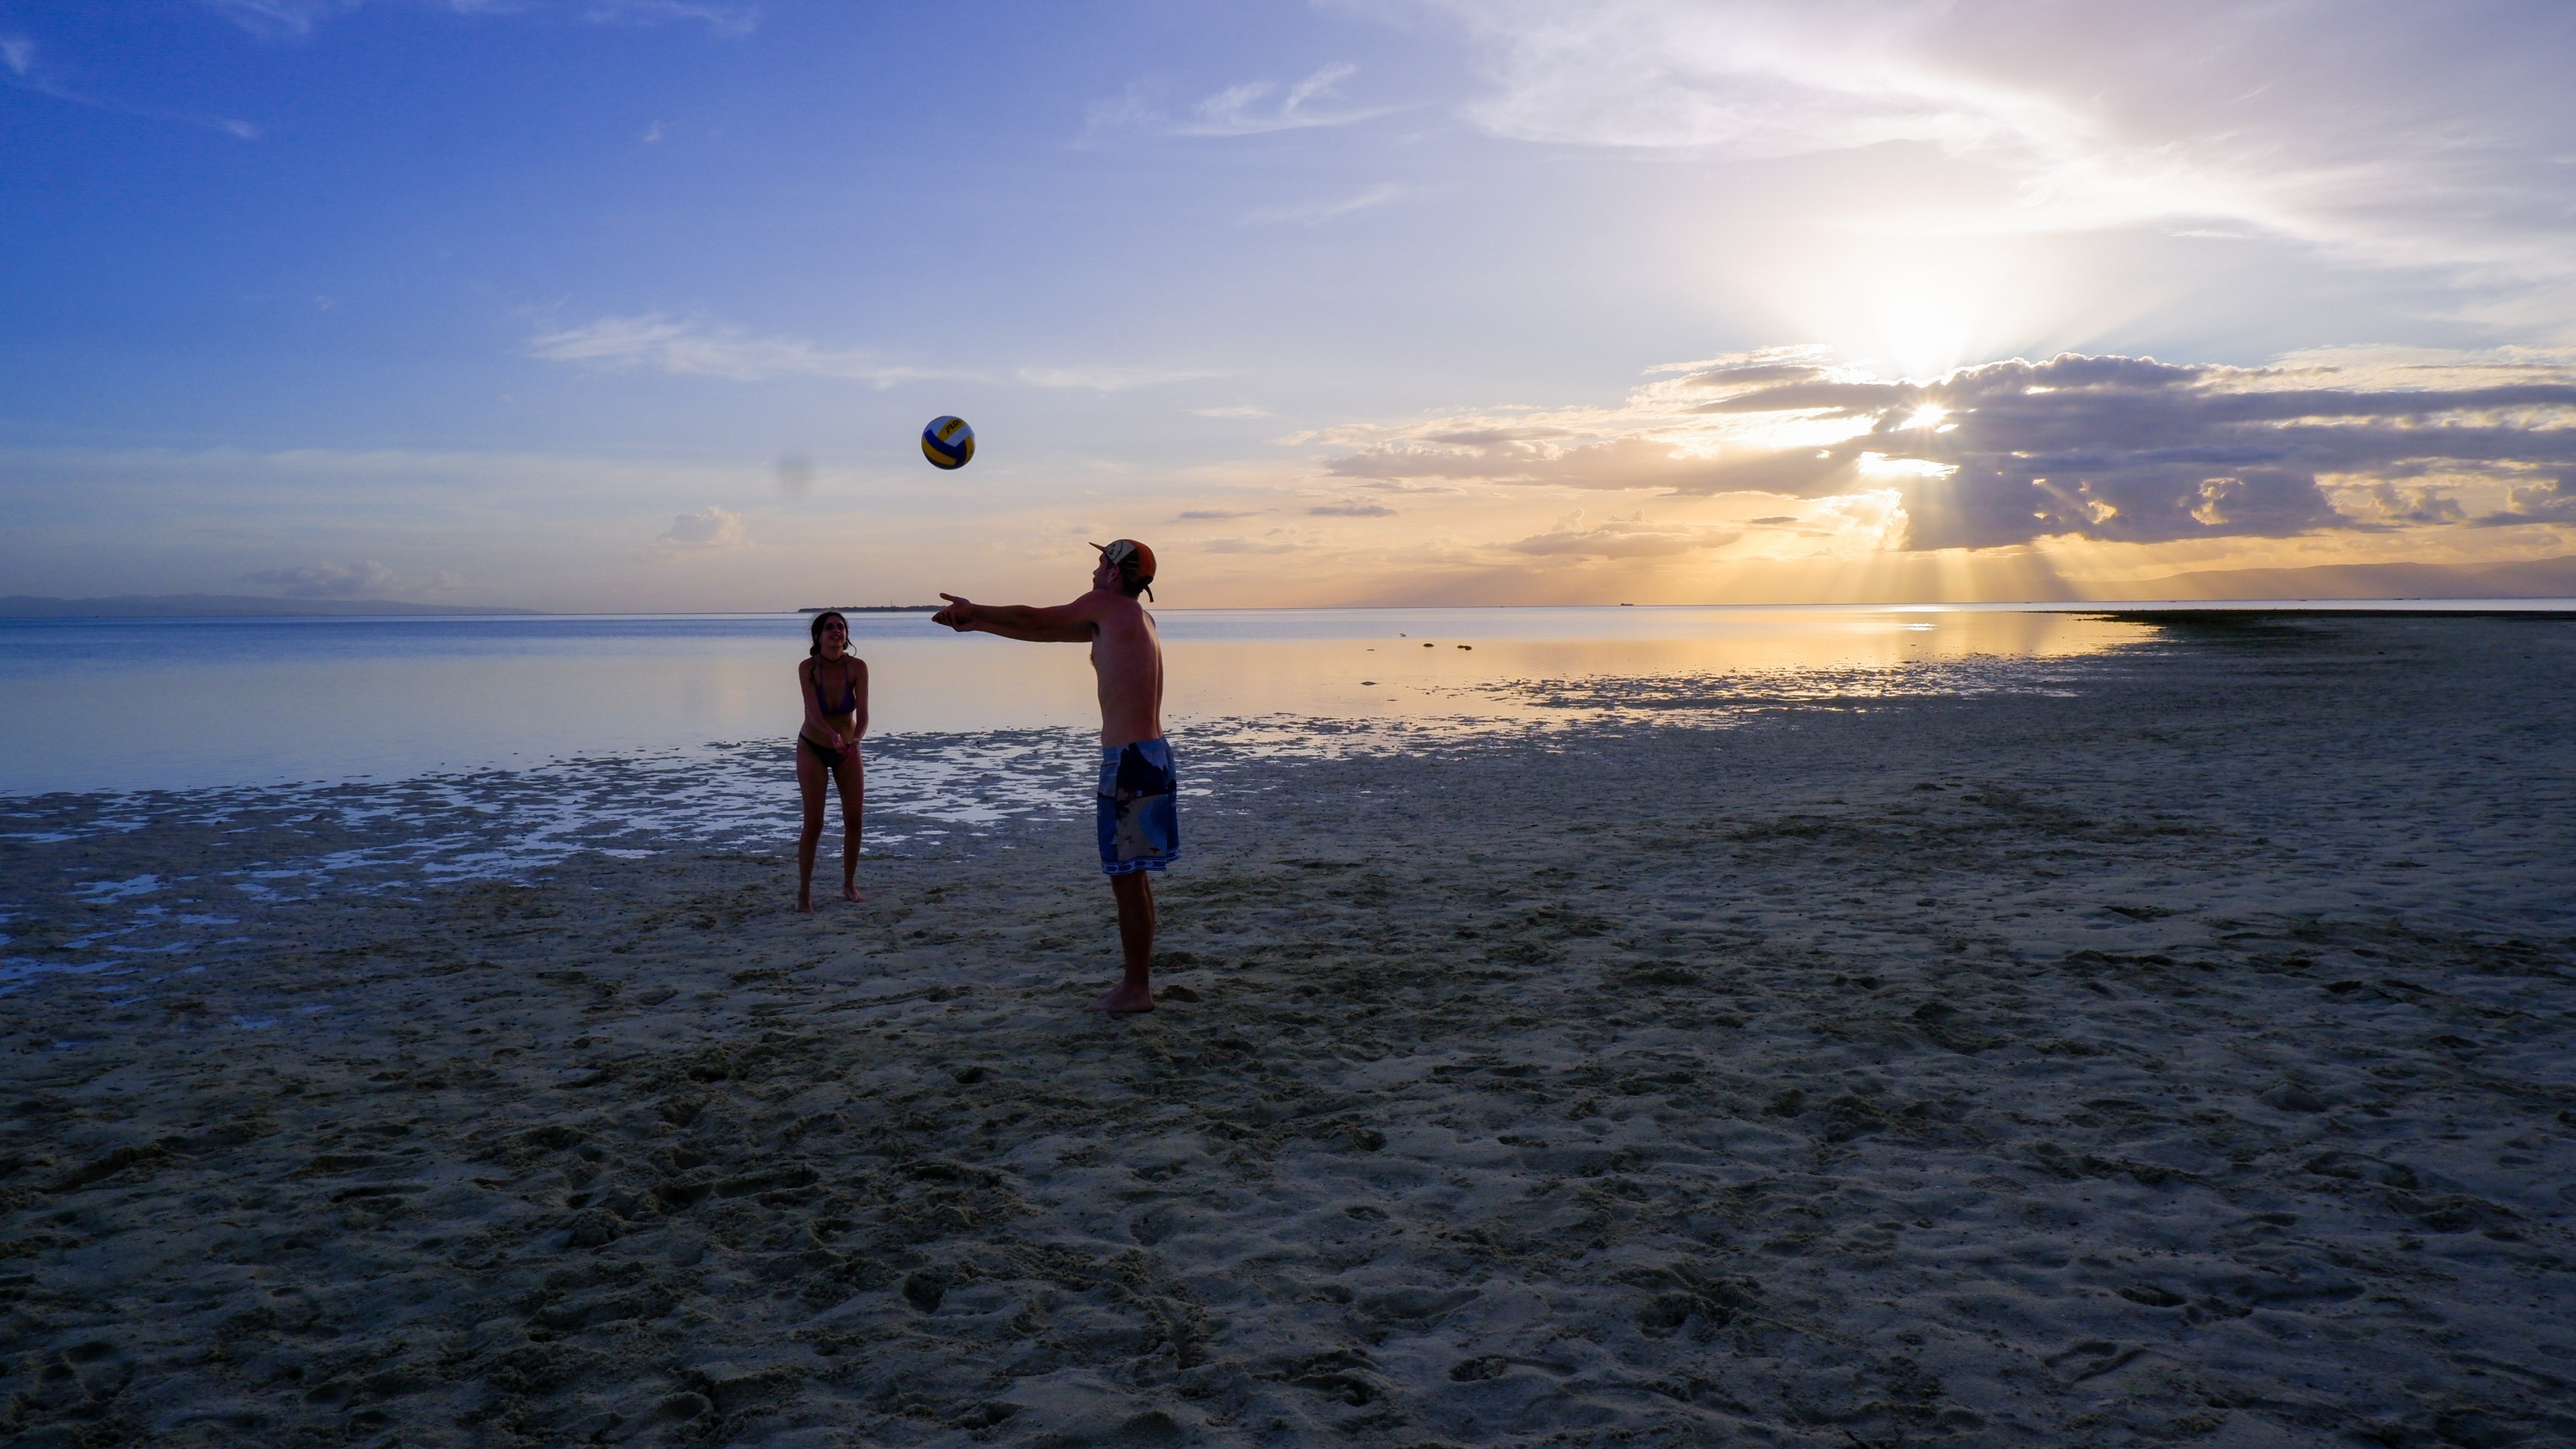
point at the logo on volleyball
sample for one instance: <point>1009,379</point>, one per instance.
<point>948,442</point>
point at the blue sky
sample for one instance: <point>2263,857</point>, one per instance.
<point>634,304</point>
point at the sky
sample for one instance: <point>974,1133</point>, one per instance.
<point>642,304</point>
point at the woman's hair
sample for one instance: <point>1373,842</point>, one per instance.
<point>816,629</point>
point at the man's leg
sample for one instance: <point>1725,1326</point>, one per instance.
<point>1135,893</point>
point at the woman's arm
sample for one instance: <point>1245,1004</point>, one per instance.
<point>815,725</point>
<point>859,680</point>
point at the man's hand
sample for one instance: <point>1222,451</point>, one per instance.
<point>1063,624</point>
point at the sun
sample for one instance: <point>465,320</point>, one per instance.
<point>1918,304</point>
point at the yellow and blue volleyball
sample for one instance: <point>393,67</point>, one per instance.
<point>948,442</point>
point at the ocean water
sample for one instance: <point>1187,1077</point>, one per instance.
<point>242,767</point>
<point>238,768</point>
<point>180,704</point>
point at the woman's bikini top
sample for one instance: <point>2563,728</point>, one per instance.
<point>849,690</point>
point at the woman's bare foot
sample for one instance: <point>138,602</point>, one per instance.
<point>1126,1000</point>
<point>850,892</point>
<point>804,906</point>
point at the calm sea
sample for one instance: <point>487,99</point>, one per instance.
<point>160,704</point>
<point>173,792</point>
<point>141,704</point>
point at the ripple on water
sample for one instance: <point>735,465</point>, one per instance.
<point>266,848</point>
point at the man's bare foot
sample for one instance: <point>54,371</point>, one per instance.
<point>1126,1000</point>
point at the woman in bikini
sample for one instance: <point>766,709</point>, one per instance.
<point>834,683</point>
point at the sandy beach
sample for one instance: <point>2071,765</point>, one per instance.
<point>2185,1053</point>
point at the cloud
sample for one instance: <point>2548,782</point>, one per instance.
<point>1760,80</point>
<point>2393,505</point>
<point>2407,136</point>
<point>278,19</point>
<point>295,19</point>
<point>724,20</point>
<point>1209,515</point>
<point>2114,448</point>
<point>19,56</point>
<point>1106,378</point>
<point>326,581</point>
<point>1247,109</point>
<point>1628,537</point>
<point>1354,509</point>
<point>657,343</point>
<point>2550,500</point>
<point>1232,412</point>
<point>1316,213</point>
<point>708,528</point>
<point>1274,541</point>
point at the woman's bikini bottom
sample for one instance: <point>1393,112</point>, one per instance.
<point>831,758</point>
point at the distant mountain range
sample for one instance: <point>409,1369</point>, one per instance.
<point>201,606</point>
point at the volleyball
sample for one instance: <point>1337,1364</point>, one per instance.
<point>948,442</point>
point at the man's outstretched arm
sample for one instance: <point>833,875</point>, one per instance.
<point>1062,624</point>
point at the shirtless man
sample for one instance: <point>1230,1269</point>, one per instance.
<point>1140,827</point>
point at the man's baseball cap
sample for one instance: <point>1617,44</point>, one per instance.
<point>1133,560</point>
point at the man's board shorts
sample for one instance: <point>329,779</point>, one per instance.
<point>1138,807</point>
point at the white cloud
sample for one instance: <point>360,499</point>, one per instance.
<point>1316,213</point>
<point>709,527</point>
<point>1352,508</point>
<point>2405,136</point>
<point>724,20</point>
<point>278,19</point>
<point>1244,110</point>
<point>18,54</point>
<point>1107,378</point>
<point>657,343</point>
<point>1757,79</point>
<point>1248,109</point>
<point>654,342</point>
<point>294,19</point>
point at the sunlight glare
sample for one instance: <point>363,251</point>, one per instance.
<point>1900,302</point>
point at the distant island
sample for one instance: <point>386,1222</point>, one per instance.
<point>2548,578</point>
<point>872,609</point>
<point>225,606</point>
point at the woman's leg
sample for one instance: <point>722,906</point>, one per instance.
<point>809,782</point>
<point>853,780</point>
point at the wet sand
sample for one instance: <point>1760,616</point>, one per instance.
<point>2181,1057</point>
